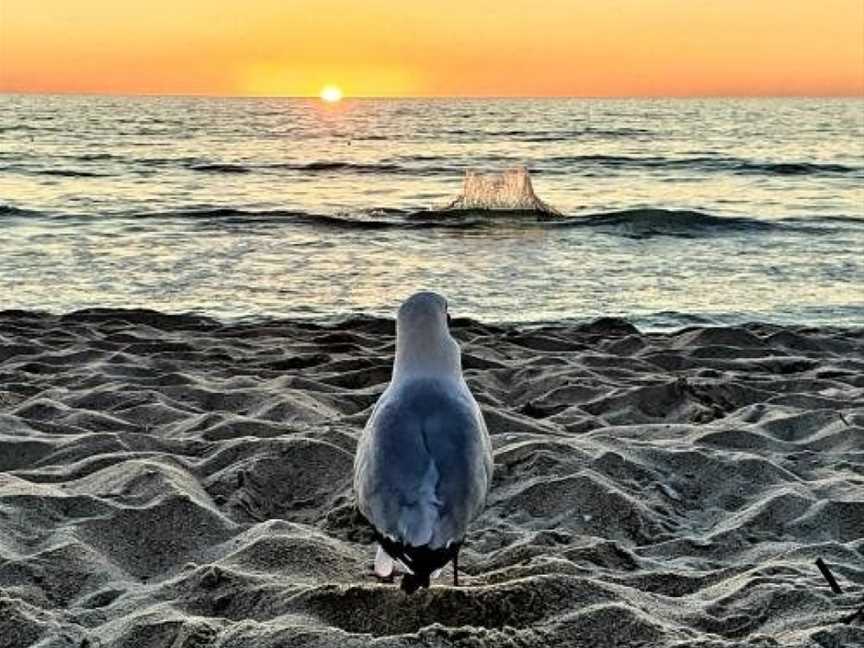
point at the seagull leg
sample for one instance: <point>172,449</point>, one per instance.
<point>456,569</point>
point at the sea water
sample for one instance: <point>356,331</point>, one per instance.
<point>671,211</point>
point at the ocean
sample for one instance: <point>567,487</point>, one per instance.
<point>673,212</point>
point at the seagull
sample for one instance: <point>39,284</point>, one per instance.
<point>423,466</point>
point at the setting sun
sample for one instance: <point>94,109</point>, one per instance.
<point>331,93</point>
<point>392,48</point>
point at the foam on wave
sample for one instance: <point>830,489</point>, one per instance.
<point>507,190</point>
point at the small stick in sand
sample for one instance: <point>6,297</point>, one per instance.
<point>836,589</point>
<point>456,569</point>
<point>828,576</point>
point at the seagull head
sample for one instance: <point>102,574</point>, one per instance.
<point>423,341</point>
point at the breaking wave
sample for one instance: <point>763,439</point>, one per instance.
<point>647,222</point>
<point>628,223</point>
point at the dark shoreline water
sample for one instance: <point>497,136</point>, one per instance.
<point>664,323</point>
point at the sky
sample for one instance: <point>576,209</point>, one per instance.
<point>601,48</point>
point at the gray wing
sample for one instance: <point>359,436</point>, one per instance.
<point>424,465</point>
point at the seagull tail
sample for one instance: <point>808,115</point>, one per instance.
<point>412,582</point>
<point>421,561</point>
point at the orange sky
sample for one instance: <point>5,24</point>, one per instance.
<point>435,47</point>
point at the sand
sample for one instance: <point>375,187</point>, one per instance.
<point>174,481</point>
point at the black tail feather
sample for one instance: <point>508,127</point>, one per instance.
<point>420,560</point>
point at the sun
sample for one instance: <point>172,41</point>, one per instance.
<point>331,94</point>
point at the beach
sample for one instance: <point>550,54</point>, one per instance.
<point>176,480</point>
<point>641,223</point>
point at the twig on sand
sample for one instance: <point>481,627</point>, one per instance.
<point>837,590</point>
<point>828,576</point>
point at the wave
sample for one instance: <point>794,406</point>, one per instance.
<point>525,135</point>
<point>564,136</point>
<point>220,168</point>
<point>853,222</point>
<point>95,157</point>
<point>796,168</point>
<point>183,162</point>
<point>57,173</point>
<point>635,223</point>
<point>71,173</point>
<point>421,165</point>
<point>556,165</point>
<point>647,222</point>
<point>705,163</point>
<point>308,167</point>
<point>639,223</point>
<point>8,211</point>
<point>376,219</point>
<point>350,166</point>
<point>28,128</point>
<point>60,173</point>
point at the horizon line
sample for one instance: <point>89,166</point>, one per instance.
<point>424,97</point>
